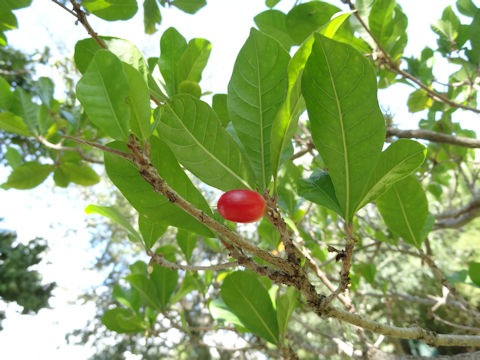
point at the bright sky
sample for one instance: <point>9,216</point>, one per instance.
<point>58,215</point>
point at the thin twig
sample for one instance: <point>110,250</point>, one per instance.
<point>160,260</point>
<point>60,147</point>
<point>122,154</point>
<point>434,136</point>
<point>394,67</point>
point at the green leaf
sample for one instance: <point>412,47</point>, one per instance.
<point>150,230</point>
<point>111,10</point>
<point>222,313</point>
<point>128,297</point>
<point>8,21</point>
<point>256,92</point>
<point>319,189</point>
<point>380,20</point>
<point>193,60</point>
<point>404,209</point>
<point>271,3</point>
<point>13,157</point>
<point>151,16</point>
<point>273,23</point>
<point>268,233</point>
<point>127,52</point>
<point>45,88</point>
<point>45,119</point>
<point>146,288</point>
<point>187,241</point>
<point>447,28</point>
<point>15,4</point>
<point>246,296</point>
<point>61,178</point>
<point>138,267</point>
<point>189,284</point>
<point>23,106</point>
<point>80,174</point>
<point>219,105</point>
<point>467,7</point>
<point>102,91</point>
<point>6,96</point>
<point>418,101</point>
<point>13,124</point>
<point>193,132</point>
<point>189,6</point>
<point>474,30</point>
<point>141,195</point>
<point>367,271</point>
<point>172,47</point>
<point>165,281</point>
<point>305,19</point>
<point>398,161</point>
<point>474,272</point>
<point>3,39</point>
<point>28,175</point>
<point>285,121</point>
<point>348,128</point>
<point>457,277</point>
<point>114,215</point>
<point>139,102</point>
<point>123,321</point>
<point>286,303</point>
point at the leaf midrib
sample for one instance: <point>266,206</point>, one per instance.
<point>179,120</point>
<point>260,111</point>
<point>109,102</point>
<point>258,315</point>
<point>344,142</point>
<point>361,203</point>
<point>404,214</point>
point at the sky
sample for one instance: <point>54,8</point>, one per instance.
<point>58,214</point>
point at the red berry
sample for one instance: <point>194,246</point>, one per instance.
<point>241,206</point>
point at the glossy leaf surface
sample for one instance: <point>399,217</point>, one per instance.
<point>348,128</point>
<point>404,209</point>
<point>102,91</point>
<point>256,91</point>
<point>319,189</point>
<point>28,176</point>
<point>142,196</point>
<point>246,296</point>
<point>114,215</point>
<point>193,131</point>
<point>398,161</point>
<point>111,9</point>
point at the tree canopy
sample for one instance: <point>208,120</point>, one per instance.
<point>367,246</point>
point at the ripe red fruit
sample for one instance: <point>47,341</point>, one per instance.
<point>241,206</point>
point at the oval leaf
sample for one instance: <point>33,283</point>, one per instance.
<point>28,176</point>
<point>246,296</point>
<point>114,215</point>
<point>112,10</point>
<point>340,90</point>
<point>399,160</point>
<point>102,91</point>
<point>193,131</point>
<point>150,230</point>
<point>141,195</point>
<point>319,189</point>
<point>122,321</point>
<point>256,91</point>
<point>13,124</point>
<point>404,209</point>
